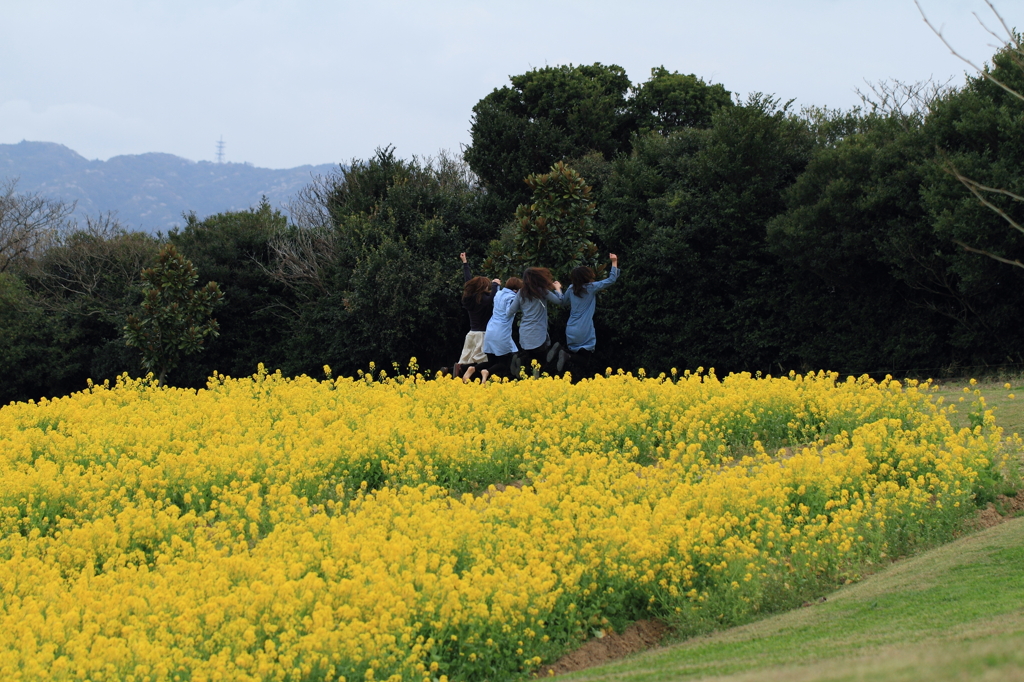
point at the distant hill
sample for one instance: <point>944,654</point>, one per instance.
<point>148,191</point>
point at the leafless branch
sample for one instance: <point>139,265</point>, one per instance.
<point>906,100</point>
<point>29,223</point>
<point>1006,27</point>
<point>311,206</point>
<point>990,255</point>
<point>451,171</point>
<point>1011,40</point>
<point>302,257</point>
<point>1010,44</point>
<point>976,188</point>
<point>93,270</point>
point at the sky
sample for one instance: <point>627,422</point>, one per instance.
<point>309,82</point>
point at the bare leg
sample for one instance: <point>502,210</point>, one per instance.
<point>484,376</point>
<point>468,373</point>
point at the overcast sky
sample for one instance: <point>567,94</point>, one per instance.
<point>307,82</point>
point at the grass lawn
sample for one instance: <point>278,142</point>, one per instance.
<point>952,613</point>
<point>1009,411</point>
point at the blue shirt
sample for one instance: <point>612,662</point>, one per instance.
<point>579,330</point>
<point>498,337</point>
<point>533,328</point>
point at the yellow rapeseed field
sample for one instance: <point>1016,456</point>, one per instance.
<point>365,528</point>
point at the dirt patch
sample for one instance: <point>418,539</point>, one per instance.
<point>1010,507</point>
<point>639,636</point>
<point>1003,509</point>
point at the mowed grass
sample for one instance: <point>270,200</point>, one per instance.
<point>952,613</point>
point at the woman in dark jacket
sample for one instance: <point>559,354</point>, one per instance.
<point>478,300</point>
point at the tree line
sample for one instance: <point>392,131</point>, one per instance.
<point>756,237</point>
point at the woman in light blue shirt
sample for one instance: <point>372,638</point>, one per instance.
<point>498,343</point>
<point>532,300</point>
<point>581,299</point>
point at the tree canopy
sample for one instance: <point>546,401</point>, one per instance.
<point>560,113</point>
<point>175,318</point>
<point>753,237</point>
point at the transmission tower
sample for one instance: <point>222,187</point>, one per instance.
<point>220,150</point>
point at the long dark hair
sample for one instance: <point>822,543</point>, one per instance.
<point>476,288</point>
<point>581,277</point>
<point>537,283</point>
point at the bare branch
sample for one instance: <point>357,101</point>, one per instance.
<point>302,257</point>
<point>904,100</point>
<point>976,188</point>
<point>1012,41</point>
<point>990,255</point>
<point>93,270</point>
<point>29,223</point>
<point>451,171</point>
<point>1006,27</point>
<point>311,206</point>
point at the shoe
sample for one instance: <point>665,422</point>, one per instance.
<point>563,359</point>
<point>552,352</point>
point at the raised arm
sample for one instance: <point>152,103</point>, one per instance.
<point>556,295</point>
<point>566,298</point>
<point>612,276</point>
<point>467,274</point>
<point>515,306</point>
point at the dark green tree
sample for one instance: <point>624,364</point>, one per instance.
<point>41,352</point>
<point>84,284</point>
<point>373,262</point>
<point>858,249</point>
<point>670,101</point>
<point>972,194</point>
<point>547,115</point>
<point>688,214</point>
<point>998,89</point>
<point>555,230</point>
<point>234,249</point>
<point>979,131</point>
<point>175,318</point>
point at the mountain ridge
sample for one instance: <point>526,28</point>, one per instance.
<point>149,191</point>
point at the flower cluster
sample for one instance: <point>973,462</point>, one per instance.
<point>422,529</point>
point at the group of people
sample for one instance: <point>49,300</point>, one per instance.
<point>489,348</point>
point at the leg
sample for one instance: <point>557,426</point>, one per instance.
<point>583,361</point>
<point>515,365</point>
<point>497,365</point>
<point>565,359</point>
<point>468,374</point>
<point>552,353</point>
<point>503,366</point>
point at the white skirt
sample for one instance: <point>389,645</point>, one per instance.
<point>473,349</point>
